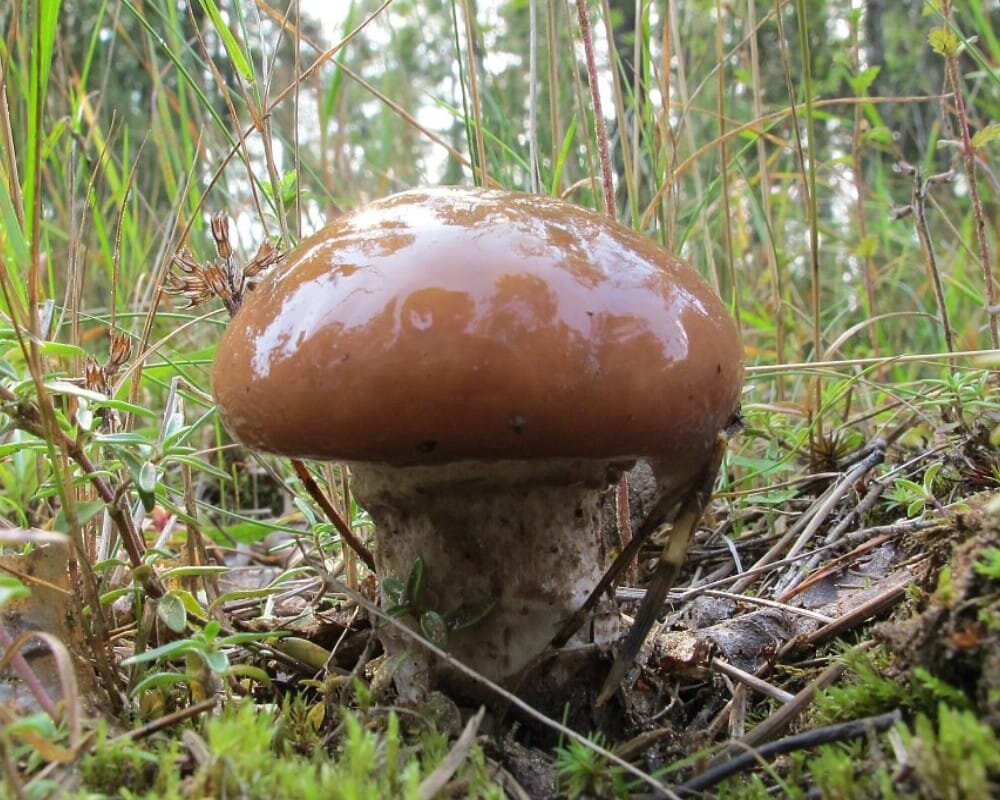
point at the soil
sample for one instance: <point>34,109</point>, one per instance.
<point>955,635</point>
<point>947,624</point>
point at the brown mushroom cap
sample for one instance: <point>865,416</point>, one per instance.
<point>445,324</point>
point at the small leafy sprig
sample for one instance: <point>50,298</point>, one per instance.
<point>206,660</point>
<point>227,280</point>
<point>406,599</point>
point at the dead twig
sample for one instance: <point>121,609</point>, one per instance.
<point>830,733</point>
<point>817,513</point>
<point>661,514</point>
<point>168,720</point>
<point>757,684</point>
<point>885,599</point>
<point>436,781</point>
<point>324,503</point>
<point>599,124</point>
<point>786,714</point>
<point>669,566</point>
<point>799,572</point>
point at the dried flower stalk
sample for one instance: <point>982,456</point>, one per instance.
<point>227,281</point>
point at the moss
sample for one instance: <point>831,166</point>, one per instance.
<point>247,753</point>
<point>957,756</point>
<point>583,772</point>
<point>118,765</point>
<point>874,687</point>
<point>949,755</point>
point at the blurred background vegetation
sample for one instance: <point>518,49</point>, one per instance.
<point>757,139</point>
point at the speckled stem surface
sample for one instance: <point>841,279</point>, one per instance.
<point>525,534</point>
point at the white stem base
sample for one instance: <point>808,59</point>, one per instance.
<point>523,534</point>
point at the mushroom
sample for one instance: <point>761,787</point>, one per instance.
<point>486,362</point>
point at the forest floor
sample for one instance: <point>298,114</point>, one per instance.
<point>808,653</point>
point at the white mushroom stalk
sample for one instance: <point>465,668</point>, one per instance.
<point>508,550</point>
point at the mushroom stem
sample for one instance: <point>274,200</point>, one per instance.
<point>509,550</point>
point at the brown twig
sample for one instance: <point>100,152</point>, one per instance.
<point>468,14</point>
<point>918,208</point>
<point>438,779</point>
<point>805,568</point>
<point>324,503</point>
<point>168,720</point>
<point>886,599</point>
<point>786,714</point>
<point>661,514</point>
<point>752,681</point>
<point>817,513</point>
<point>829,501</point>
<point>600,127</point>
<point>669,566</point>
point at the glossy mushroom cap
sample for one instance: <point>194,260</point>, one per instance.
<point>447,324</point>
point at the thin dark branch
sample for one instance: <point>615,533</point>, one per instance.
<point>830,733</point>
<point>324,503</point>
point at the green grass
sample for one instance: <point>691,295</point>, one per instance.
<point>252,753</point>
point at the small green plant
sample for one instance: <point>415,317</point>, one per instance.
<point>583,772</point>
<point>372,759</point>
<point>406,599</point>
<point>961,396</point>
<point>117,765</point>
<point>872,689</point>
<point>944,592</point>
<point>956,757</point>
<point>246,756</point>
<point>917,497</point>
<point>205,656</point>
<point>750,787</point>
<point>988,564</point>
<point>299,725</point>
<point>946,754</point>
<point>11,589</point>
<point>841,772</point>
